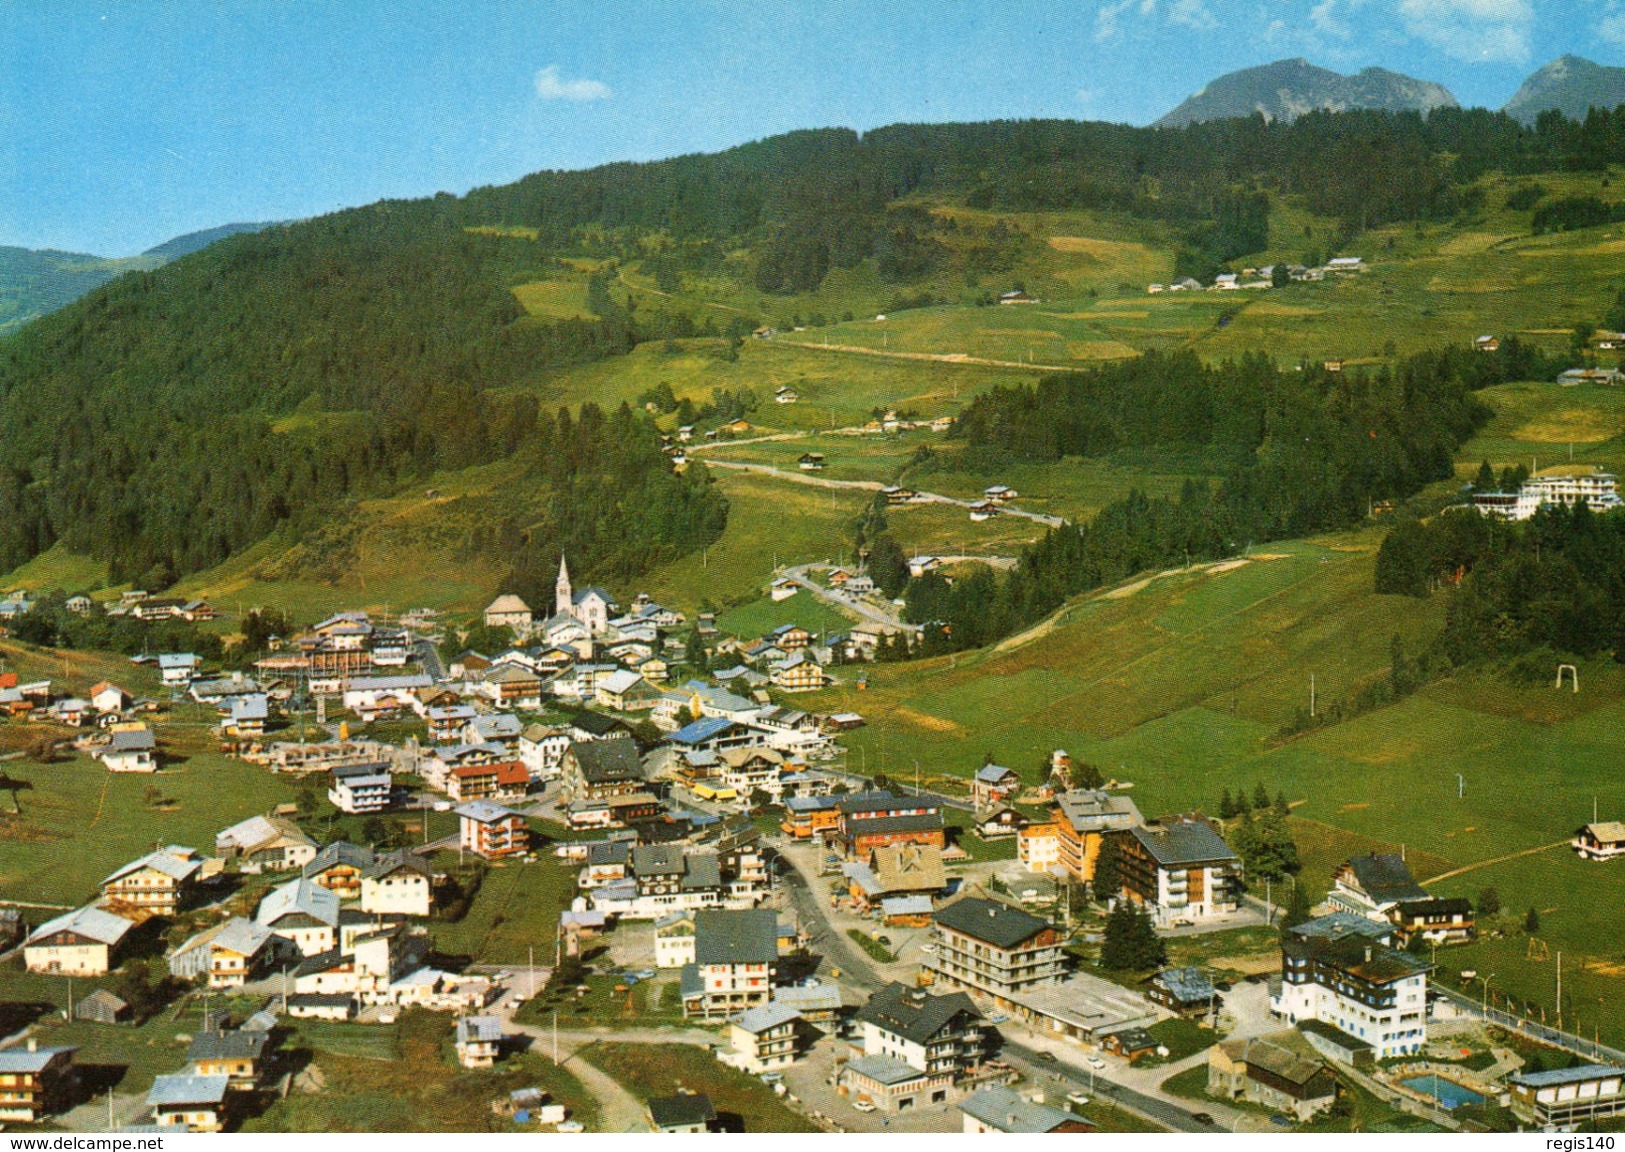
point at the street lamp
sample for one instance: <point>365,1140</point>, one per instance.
<point>1484,1007</point>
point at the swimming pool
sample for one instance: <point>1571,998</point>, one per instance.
<point>1448,1093</point>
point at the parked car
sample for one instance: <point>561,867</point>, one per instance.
<point>1280,1120</point>
<point>1077,1098</point>
<point>1048,1057</point>
<point>864,1105</point>
<point>1204,1119</point>
<point>1094,1062</point>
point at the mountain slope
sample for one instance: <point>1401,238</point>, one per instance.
<point>1288,89</point>
<point>185,245</point>
<point>36,282</point>
<point>1570,84</point>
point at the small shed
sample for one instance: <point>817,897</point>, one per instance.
<point>102,1007</point>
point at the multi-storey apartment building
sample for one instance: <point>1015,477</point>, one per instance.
<point>1339,970</point>
<point>994,948</point>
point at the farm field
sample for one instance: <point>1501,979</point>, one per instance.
<point>78,821</point>
<point>770,522</point>
<point>421,1090</point>
<point>517,909</point>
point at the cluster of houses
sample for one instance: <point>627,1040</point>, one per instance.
<point>1262,279</point>
<point>1597,490</point>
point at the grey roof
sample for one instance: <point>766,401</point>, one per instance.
<point>914,1014</point>
<point>140,740</point>
<point>766,1016</point>
<point>1183,842</point>
<point>1097,811</point>
<point>22,1059</point>
<point>991,922</point>
<point>339,852</point>
<point>401,859</point>
<point>884,1070</point>
<point>262,1021</point>
<point>703,871</point>
<point>176,862</point>
<point>658,860</point>
<point>905,906</point>
<point>746,936</point>
<point>101,996</point>
<point>173,1090</point>
<point>406,683</point>
<point>1007,1110</point>
<point>215,1045</point>
<point>884,825</point>
<point>91,922</point>
<point>484,812</point>
<point>608,761</point>
<point>479,1029</point>
<point>616,852</point>
<point>235,935</point>
<point>1186,984</point>
<point>1565,1075</point>
<point>298,897</point>
<point>1335,925</point>
<point>1386,878</point>
<point>821,997</point>
<point>993,773</point>
<point>682,1111</point>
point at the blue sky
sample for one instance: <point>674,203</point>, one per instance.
<point>124,123</point>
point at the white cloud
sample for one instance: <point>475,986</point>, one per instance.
<point>1186,13</point>
<point>1471,29</point>
<point>549,86</point>
<point>1106,20</point>
<point>1192,14</point>
<point>1326,21</point>
<point>1612,26</point>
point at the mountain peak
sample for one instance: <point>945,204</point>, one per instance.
<point>1571,85</point>
<point>1290,88</point>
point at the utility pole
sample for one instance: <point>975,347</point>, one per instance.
<point>1560,991</point>
<point>1311,695</point>
<point>1461,786</point>
<point>555,1037</point>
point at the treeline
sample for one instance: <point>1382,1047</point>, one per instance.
<point>1572,212</point>
<point>1552,584</point>
<point>49,624</point>
<point>173,418</point>
<point>1310,451</point>
<point>1209,181</point>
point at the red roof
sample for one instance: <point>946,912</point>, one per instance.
<point>8,679</point>
<point>511,773</point>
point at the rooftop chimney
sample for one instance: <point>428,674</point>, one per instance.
<point>33,1044</point>
<point>1368,953</point>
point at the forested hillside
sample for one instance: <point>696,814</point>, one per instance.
<point>171,419</point>
<point>1300,451</point>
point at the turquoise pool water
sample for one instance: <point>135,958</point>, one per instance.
<point>1448,1093</point>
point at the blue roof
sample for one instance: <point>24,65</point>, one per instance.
<point>702,730</point>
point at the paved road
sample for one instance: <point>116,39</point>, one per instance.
<point>868,611</point>
<point>875,486</point>
<point>1162,1112</point>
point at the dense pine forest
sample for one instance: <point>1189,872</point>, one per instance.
<point>170,419</point>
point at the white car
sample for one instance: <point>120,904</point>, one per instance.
<point>1077,1098</point>
<point>864,1105</point>
<point>1094,1062</point>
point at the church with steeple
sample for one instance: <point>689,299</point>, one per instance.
<point>591,607</point>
